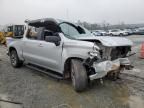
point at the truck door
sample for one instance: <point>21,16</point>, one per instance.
<point>50,55</point>
<point>45,54</point>
<point>30,46</point>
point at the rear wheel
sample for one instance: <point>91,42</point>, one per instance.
<point>15,62</point>
<point>78,75</point>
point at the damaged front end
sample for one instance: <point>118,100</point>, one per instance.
<point>99,67</point>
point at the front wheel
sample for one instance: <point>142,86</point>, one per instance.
<point>78,75</point>
<point>15,62</point>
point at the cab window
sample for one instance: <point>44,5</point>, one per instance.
<point>32,33</point>
<point>69,30</point>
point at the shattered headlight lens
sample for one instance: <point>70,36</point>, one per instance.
<point>95,51</point>
<point>96,48</point>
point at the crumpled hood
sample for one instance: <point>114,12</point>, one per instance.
<point>109,41</point>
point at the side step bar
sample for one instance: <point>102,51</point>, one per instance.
<point>45,71</point>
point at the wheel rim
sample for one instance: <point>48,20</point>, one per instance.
<point>73,75</point>
<point>13,59</point>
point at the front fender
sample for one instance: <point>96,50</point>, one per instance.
<point>76,49</point>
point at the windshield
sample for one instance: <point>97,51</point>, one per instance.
<point>73,31</point>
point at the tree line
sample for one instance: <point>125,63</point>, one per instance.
<point>106,26</point>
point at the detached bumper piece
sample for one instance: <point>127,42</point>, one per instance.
<point>103,68</point>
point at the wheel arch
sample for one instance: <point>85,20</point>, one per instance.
<point>67,66</point>
<point>18,63</point>
<point>14,48</point>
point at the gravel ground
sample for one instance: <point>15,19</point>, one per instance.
<point>36,90</point>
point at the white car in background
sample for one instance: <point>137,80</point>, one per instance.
<point>96,33</point>
<point>101,32</point>
<point>118,32</point>
<point>129,31</point>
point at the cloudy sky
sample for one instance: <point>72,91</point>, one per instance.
<point>93,11</point>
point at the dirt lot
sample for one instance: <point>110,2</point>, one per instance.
<point>35,90</point>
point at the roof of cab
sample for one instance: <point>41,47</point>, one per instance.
<point>43,20</point>
<point>40,20</point>
<point>49,23</point>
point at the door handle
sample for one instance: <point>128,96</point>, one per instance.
<point>40,45</point>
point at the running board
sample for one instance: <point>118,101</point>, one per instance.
<point>46,71</point>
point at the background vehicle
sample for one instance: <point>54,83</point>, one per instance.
<point>139,31</point>
<point>102,32</point>
<point>96,33</point>
<point>118,32</point>
<point>14,31</point>
<point>129,31</point>
<point>70,51</point>
<point>2,38</point>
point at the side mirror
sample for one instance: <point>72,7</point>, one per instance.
<point>53,39</point>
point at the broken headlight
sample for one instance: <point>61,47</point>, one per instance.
<point>96,48</point>
<point>94,55</point>
<point>94,52</point>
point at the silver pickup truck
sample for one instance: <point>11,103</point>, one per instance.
<point>65,50</point>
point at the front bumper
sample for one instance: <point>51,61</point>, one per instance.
<point>103,68</point>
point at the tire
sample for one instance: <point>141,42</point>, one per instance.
<point>78,75</point>
<point>121,34</point>
<point>15,62</point>
<point>111,34</point>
